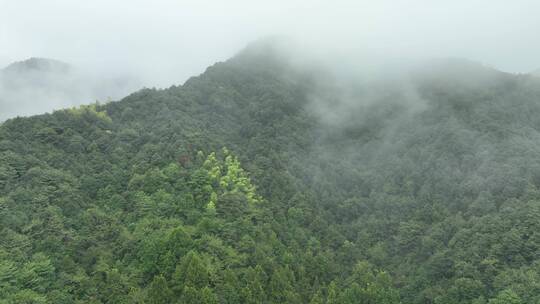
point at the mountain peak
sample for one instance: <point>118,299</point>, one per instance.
<point>273,48</point>
<point>38,64</point>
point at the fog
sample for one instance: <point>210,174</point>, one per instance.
<point>164,42</point>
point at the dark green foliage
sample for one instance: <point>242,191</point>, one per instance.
<point>159,291</point>
<point>373,201</point>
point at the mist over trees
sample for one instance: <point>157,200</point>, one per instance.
<point>271,179</point>
<point>39,85</point>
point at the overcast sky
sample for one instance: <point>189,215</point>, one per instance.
<point>166,41</point>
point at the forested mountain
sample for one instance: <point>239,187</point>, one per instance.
<point>39,85</point>
<point>267,181</point>
<point>34,64</point>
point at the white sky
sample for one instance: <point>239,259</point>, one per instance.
<point>166,41</point>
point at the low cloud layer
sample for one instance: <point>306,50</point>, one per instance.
<point>164,42</point>
<point>167,41</point>
<point>40,85</point>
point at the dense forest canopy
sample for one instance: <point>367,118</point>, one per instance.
<point>268,180</point>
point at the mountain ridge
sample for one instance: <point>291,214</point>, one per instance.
<point>39,64</point>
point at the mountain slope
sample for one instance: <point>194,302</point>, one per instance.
<point>418,191</point>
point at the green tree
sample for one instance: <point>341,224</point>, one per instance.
<point>159,292</point>
<point>506,296</point>
<point>190,272</point>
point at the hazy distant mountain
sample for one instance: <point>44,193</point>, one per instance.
<point>38,65</point>
<point>39,85</point>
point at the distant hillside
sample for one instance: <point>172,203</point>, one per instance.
<point>40,85</point>
<point>266,181</point>
<point>39,65</point>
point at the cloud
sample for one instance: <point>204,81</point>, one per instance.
<point>40,85</point>
<point>167,41</point>
<point>164,42</point>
